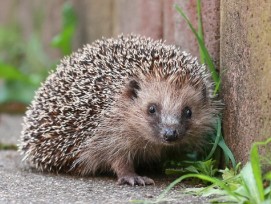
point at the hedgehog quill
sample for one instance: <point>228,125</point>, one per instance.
<point>118,103</point>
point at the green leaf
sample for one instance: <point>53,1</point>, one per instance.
<point>217,139</point>
<point>9,72</point>
<point>63,40</point>
<point>201,167</point>
<point>191,169</point>
<point>256,167</point>
<point>268,176</point>
<point>227,151</point>
<point>253,190</point>
<point>69,16</point>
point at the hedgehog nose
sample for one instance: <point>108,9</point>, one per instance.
<point>169,134</point>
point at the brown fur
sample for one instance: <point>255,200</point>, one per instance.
<point>126,135</point>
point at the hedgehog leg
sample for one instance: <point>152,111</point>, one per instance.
<point>126,175</point>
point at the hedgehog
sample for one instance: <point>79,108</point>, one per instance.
<point>117,104</point>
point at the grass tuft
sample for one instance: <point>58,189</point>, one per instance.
<point>204,54</point>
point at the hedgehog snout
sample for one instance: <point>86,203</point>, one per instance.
<point>170,128</point>
<point>169,134</point>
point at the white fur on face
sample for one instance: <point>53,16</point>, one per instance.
<point>169,120</point>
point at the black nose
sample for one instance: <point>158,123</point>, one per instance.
<point>169,134</point>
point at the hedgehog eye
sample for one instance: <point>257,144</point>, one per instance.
<point>187,112</point>
<point>152,109</point>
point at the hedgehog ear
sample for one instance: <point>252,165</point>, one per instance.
<point>132,89</point>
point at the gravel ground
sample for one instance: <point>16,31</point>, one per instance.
<point>21,185</point>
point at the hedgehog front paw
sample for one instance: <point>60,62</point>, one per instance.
<point>135,180</point>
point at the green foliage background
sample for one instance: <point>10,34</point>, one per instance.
<point>24,63</point>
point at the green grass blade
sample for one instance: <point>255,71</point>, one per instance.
<point>217,139</point>
<point>256,167</point>
<point>209,61</point>
<point>221,142</point>
<point>252,192</point>
<point>227,151</point>
<point>217,86</point>
<point>200,31</point>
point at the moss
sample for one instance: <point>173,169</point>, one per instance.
<point>8,147</point>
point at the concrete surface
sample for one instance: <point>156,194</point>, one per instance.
<point>10,128</point>
<point>19,184</point>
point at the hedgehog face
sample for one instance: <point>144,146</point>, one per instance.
<point>168,126</point>
<point>168,114</point>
